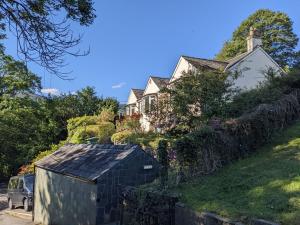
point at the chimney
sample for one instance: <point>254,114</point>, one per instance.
<point>253,40</point>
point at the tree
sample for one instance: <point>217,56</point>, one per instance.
<point>278,37</point>
<point>26,128</point>
<point>41,36</point>
<point>88,101</point>
<point>200,95</point>
<point>15,78</point>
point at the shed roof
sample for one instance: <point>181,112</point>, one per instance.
<point>86,161</point>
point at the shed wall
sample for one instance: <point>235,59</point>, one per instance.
<point>129,172</point>
<point>61,200</point>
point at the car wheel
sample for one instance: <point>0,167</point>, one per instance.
<point>26,205</point>
<point>10,204</point>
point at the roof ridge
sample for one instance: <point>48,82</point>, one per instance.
<point>213,60</point>
<point>159,77</point>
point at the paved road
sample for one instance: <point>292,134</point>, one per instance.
<point>6,219</point>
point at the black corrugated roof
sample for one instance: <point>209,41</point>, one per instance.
<point>86,161</point>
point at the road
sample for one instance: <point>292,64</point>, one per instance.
<point>6,219</point>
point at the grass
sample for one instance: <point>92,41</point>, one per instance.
<point>265,185</point>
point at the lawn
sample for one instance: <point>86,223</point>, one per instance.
<point>265,185</point>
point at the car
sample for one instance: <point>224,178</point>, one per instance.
<point>20,191</point>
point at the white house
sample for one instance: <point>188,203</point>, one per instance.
<point>250,65</point>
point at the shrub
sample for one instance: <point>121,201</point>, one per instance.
<point>76,122</point>
<point>122,137</point>
<point>105,131</point>
<point>131,123</point>
<point>106,115</point>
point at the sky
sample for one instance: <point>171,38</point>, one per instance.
<point>131,40</point>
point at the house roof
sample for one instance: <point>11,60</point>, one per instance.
<point>85,161</point>
<point>161,82</point>
<point>138,93</point>
<point>236,59</point>
<point>206,63</point>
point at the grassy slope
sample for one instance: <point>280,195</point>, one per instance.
<point>265,185</point>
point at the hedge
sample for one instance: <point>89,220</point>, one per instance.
<point>208,148</point>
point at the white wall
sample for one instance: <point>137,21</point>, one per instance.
<point>182,66</point>
<point>251,69</point>
<point>131,98</point>
<point>151,87</point>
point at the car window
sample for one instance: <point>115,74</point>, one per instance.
<point>29,181</point>
<point>21,184</point>
<point>13,183</point>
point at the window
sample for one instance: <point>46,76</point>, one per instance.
<point>132,110</point>
<point>13,183</point>
<point>152,102</point>
<point>21,184</point>
<point>147,104</point>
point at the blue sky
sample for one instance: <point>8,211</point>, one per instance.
<point>133,39</point>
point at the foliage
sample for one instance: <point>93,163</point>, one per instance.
<point>161,116</point>
<point>105,131</point>
<point>30,167</point>
<point>107,115</point>
<point>131,123</point>
<point>26,128</point>
<point>15,77</point>
<point>207,149</point>
<point>88,101</point>
<point>30,123</point>
<point>84,103</point>
<point>278,37</point>
<point>200,95</point>
<point>162,155</point>
<point>83,121</point>
<point>266,92</point>
<point>122,137</point>
<point>265,185</point>
<point>42,36</point>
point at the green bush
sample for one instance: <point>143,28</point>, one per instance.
<point>76,122</point>
<point>122,137</point>
<point>106,115</point>
<point>105,131</point>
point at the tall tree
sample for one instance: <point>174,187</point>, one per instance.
<point>278,37</point>
<point>43,36</point>
<point>15,78</point>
